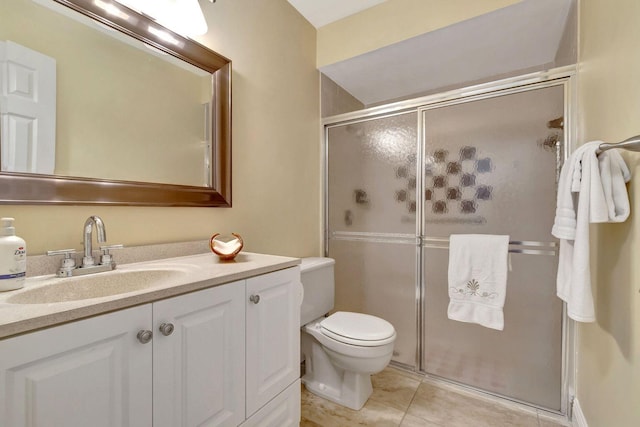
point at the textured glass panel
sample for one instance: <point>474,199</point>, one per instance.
<point>379,279</point>
<point>372,175</point>
<point>524,360</point>
<point>490,166</point>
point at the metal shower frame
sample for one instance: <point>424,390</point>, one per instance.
<point>562,76</point>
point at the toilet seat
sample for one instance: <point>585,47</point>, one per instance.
<point>358,329</point>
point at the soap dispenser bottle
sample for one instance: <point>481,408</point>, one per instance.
<point>13,257</point>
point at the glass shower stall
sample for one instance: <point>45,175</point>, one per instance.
<point>400,182</point>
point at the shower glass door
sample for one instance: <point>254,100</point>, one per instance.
<point>490,167</point>
<point>371,222</point>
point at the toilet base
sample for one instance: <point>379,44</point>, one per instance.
<point>325,379</point>
<point>338,371</point>
<point>354,390</point>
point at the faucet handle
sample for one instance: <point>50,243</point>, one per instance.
<point>106,256</point>
<point>68,262</point>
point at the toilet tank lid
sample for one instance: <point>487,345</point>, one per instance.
<point>313,263</point>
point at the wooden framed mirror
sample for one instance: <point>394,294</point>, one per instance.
<point>214,185</point>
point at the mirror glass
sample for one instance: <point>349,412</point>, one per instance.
<point>90,103</point>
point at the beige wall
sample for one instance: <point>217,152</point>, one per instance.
<point>276,148</point>
<point>608,368</point>
<point>394,21</point>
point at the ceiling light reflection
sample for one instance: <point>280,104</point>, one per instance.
<point>181,16</point>
<point>164,36</point>
<point>111,9</point>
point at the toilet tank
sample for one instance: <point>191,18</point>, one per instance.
<point>318,282</point>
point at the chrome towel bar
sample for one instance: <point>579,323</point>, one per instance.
<point>515,246</point>
<point>631,144</point>
<point>527,247</point>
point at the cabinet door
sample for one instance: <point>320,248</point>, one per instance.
<point>91,372</point>
<point>198,371</point>
<point>273,335</point>
<point>282,411</point>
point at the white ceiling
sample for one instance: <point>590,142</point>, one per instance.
<point>518,37</point>
<point>323,12</point>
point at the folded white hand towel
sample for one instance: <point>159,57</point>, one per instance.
<point>591,189</point>
<point>564,226</point>
<point>478,278</point>
<point>614,173</point>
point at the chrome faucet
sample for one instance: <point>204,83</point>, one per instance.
<point>87,260</point>
<point>89,265</point>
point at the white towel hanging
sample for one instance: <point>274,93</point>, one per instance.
<point>591,190</point>
<point>478,265</point>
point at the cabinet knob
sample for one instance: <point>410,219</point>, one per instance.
<point>254,299</point>
<point>145,336</point>
<point>166,329</point>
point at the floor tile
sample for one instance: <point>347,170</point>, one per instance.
<point>413,375</point>
<point>401,399</point>
<point>328,414</point>
<point>550,423</point>
<point>446,407</point>
<point>411,421</point>
<point>393,388</point>
<point>306,423</point>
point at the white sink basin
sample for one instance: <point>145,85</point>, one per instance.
<point>94,286</point>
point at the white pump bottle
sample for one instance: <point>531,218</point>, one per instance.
<point>13,257</point>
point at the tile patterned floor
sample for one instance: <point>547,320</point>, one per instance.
<point>402,399</point>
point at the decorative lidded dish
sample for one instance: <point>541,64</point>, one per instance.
<point>226,247</point>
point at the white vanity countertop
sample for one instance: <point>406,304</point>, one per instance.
<point>192,273</point>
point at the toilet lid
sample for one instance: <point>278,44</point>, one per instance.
<point>358,329</point>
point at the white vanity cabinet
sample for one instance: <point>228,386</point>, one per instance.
<point>282,411</point>
<point>273,337</point>
<point>198,358</point>
<point>92,372</point>
<point>218,357</point>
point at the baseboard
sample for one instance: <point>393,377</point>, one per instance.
<point>578,416</point>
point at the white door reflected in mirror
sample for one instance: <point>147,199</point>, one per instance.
<point>27,109</point>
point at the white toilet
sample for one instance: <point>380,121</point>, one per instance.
<point>341,351</point>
